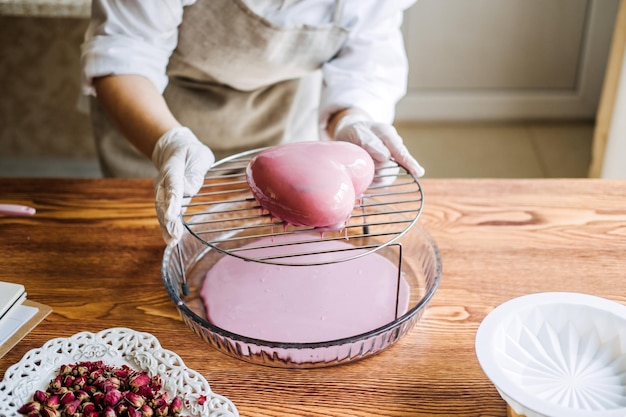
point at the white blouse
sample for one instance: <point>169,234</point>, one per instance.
<point>370,72</point>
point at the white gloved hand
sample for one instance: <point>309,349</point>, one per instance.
<point>182,161</point>
<point>382,142</point>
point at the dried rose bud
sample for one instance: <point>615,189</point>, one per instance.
<point>109,412</point>
<point>132,412</point>
<point>40,396</point>
<point>134,399</point>
<point>57,382</point>
<point>162,411</point>
<point>176,406</point>
<point>109,385</point>
<point>96,373</point>
<point>72,407</point>
<point>121,373</point>
<point>139,380</point>
<point>92,413</point>
<point>65,369</point>
<point>98,397</point>
<point>58,391</point>
<point>30,407</point>
<point>146,411</point>
<point>159,402</point>
<point>81,369</point>
<point>90,389</point>
<point>145,391</point>
<point>68,381</point>
<point>112,397</point>
<point>88,407</point>
<point>81,395</point>
<point>53,401</point>
<point>67,397</point>
<point>79,382</point>
<point>99,382</point>
<point>121,408</point>
<point>49,412</point>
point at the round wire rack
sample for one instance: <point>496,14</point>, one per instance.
<point>225,216</point>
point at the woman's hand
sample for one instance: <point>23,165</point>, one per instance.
<point>182,161</point>
<point>380,140</point>
<point>142,115</point>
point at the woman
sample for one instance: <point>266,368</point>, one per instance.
<point>179,83</point>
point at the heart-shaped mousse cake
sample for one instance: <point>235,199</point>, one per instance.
<point>310,183</point>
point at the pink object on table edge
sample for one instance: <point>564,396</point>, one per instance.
<point>16,210</point>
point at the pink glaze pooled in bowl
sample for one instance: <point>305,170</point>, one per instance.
<point>311,184</point>
<point>317,303</point>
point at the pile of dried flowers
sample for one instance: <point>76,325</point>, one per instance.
<point>94,389</point>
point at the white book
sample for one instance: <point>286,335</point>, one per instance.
<point>11,295</point>
<point>14,319</point>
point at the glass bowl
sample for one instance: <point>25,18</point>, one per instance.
<point>337,305</point>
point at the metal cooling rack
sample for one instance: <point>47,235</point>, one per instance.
<point>225,216</point>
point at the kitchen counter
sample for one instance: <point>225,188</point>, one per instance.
<point>93,253</point>
<point>46,8</point>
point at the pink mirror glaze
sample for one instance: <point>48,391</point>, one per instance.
<point>315,303</point>
<point>311,183</point>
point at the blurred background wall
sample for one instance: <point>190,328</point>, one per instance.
<point>488,61</point>
<point>506,60</point>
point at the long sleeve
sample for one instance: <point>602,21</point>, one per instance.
<point>371,70</point>
<point>130,37</point>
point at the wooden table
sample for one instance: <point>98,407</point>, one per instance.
<point>93,253</point>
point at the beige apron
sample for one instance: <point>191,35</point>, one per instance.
<point>237,81</point>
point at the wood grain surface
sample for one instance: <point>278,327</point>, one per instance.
<point>93,253</point>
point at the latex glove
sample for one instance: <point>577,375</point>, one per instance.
<point>182,161</point>
<point>382,142</point>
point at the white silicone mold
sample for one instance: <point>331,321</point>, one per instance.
<point>557,354</point>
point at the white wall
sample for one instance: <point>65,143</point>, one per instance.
<point>513,59</point>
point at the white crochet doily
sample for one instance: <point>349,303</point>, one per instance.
<point>116,347</point>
